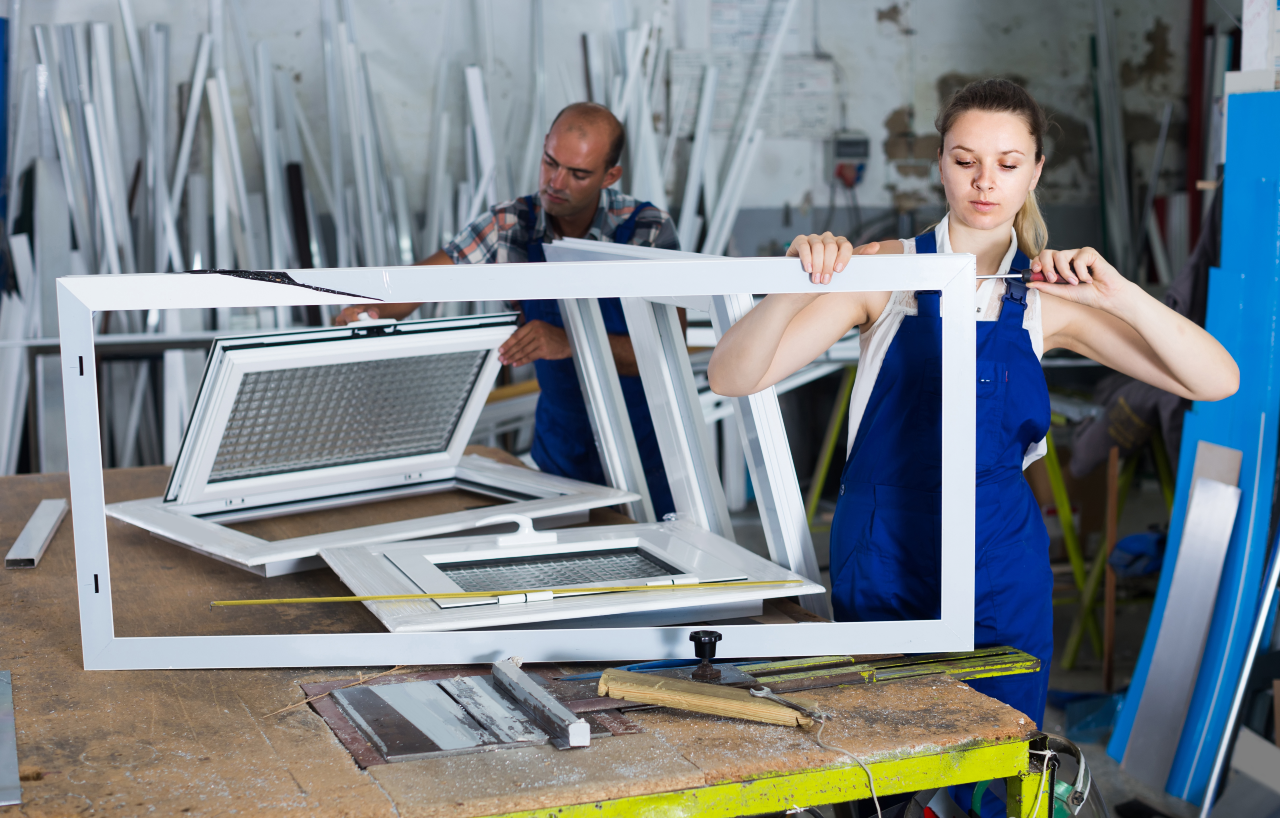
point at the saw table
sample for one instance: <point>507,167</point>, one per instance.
<point>203,742</point>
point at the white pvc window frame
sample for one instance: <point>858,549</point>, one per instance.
<point>698,555</point>
<point>240,356</point>
<point>658,280</point>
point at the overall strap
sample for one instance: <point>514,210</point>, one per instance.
<point>533,246</point>
<point>1015,294</point>
<point>927,301</point>
<point>623,233</point>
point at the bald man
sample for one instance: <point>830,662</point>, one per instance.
<point>579,162</point>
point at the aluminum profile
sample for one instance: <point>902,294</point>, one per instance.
<point>435,714</point>
<point>10,784</point>
<point>1211,515</point>
<point>36,535</point>
<point>567,729</point>
<point>492,711</point>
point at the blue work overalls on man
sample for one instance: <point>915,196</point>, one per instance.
<point>885,537</point>
<point>563,443</point>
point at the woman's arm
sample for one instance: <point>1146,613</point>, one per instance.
<point>788,330</point>
<point>1089,308</point>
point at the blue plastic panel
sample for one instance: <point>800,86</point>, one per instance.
<point>1243,313</point>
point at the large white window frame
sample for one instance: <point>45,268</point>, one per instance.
<point>661,281</point>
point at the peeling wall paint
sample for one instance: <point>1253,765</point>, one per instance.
<point>907,57</point>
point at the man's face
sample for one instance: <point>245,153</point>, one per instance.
<point>573,168</point>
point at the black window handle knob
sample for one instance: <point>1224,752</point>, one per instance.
<point>704,648</point>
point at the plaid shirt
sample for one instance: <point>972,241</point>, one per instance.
<point>500,234</point>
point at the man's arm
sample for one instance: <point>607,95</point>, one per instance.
<point>537,339</point>
<point>389,311</point>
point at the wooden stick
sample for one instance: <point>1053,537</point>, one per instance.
<point>1109,595</point>
<point>496,593</point>
<point>703,698</point>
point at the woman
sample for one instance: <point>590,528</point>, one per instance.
<point>885,538</point>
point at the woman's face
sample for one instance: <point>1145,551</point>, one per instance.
<point>988,167</point>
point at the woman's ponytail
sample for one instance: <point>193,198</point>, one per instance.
<point>999,95</point>
<point>1033,233</point>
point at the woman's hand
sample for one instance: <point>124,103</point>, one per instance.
<point>1081,276</point>
<point>824,255</point>
<point>1102,315</point>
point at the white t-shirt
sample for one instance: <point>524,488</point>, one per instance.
<point>876,340</point>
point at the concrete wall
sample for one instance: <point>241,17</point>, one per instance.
<point>894,63</point>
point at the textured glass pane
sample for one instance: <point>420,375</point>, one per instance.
<point>336,414</point>
<point>544,572</point>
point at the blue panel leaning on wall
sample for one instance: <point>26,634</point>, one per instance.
<point>1243,312</point>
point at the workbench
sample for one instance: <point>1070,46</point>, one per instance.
<point>202,742</point>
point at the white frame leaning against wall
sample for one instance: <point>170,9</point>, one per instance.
<point>650,283</point>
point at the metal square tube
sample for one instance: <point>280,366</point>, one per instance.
<point>655,278</point>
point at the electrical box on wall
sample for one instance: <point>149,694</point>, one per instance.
<point>846,156</point>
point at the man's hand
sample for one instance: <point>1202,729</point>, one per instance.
<point>390,311</point>
<point>535,340</point>
<point>374,311</point>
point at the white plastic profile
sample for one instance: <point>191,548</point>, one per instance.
<point>524,536</point>
<point>690,277</point>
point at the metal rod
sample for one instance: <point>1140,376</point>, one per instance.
<point>479,106</point>
<point>621,106</point>
<point>1109,593</point>
<point>748,141</point>
<point>727,210</point>
<point>77,197</point>
<point>157,146</point>
<point>333,98</point>
<point>466,595</point>
<point>232,145</point>
<point>1259,626</point>
<point>104,104</point>
<point>439,187</point>
<point>15,86</point>
<point>313,153</point>
<point>830,440</point>
<point>538,103</point>
<point>1157,160</point>
<point>193,115</point>
<point>246,64</point>
<point>369,242</point>
<point>675,108</point>
<point>16,147</point>
<point>110,243</point>
<point>278,245</point>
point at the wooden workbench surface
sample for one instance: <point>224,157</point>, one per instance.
<point>200,742</point>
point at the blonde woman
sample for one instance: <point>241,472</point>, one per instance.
<point>885,544</point>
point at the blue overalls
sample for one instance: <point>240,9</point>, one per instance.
<point>562,440</point>
<point>885,537</point>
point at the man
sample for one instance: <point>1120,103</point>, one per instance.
<point>579,163</point>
